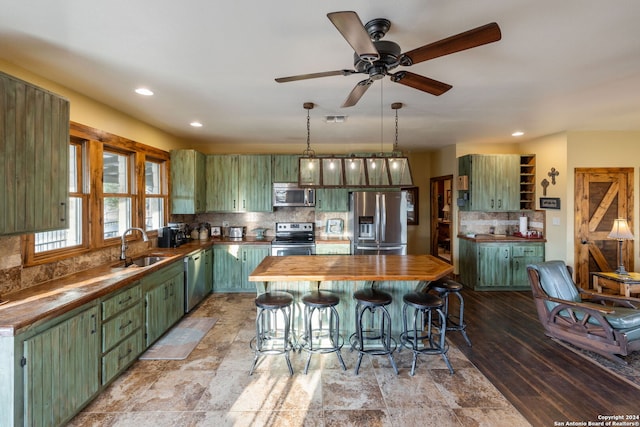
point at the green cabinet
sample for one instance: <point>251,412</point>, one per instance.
<point>239,183</point>
<point>232,265</point>
<point>521,256</point>
<point>188,185</point>
<point>493,182</point>
<point>284,167</point>
<point>34,158</point>
<point>164,300</point>
<point>61,369</point>
<point>497,266</point>
<point>122,330</point>
<point>332,200</point>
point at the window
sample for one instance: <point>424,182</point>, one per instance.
<point>155,199</point>
<point>134,193</point>
<point>73,236</point>
<point>117,193</point>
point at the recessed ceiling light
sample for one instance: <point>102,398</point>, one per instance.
<point>144,91</point>
<point>196,124</point>
<point>517,133</point>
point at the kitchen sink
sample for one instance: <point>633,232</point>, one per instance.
<point>143,261</point>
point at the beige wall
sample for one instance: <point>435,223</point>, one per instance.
<point>89,112</point>
<point>418,236</point>
<point>551,152</point>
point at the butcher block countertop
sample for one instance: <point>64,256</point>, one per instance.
<point>56,297</point>
<point>350,267</point>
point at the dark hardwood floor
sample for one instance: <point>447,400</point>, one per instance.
<point>547,383</point>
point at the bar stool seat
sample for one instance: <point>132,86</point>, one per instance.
<point>415,337</point>
<point>270,339</point>
<point>373,300</point>
<point>445,287</point>
<point>316,338</point>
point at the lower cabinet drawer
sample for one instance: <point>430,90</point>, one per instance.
<point>119,358</point>
<point>121,301</point>
<point>114,330</point>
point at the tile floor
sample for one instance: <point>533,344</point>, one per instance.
<point>212,387</point>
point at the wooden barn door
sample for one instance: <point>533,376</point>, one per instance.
<point>602,195</point>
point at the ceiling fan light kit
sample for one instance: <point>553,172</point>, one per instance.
<point>377,58</point>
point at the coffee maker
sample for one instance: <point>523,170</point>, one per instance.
<point>167,238</point>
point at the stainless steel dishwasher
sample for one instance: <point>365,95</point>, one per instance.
<point>194,280</point>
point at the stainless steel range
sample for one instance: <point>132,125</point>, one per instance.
<point>294,238</point>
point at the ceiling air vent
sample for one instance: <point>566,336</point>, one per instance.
<point>335,119</point>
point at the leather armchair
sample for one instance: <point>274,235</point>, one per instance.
<point>605,324</point>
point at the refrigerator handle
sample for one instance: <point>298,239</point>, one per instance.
<point>383,218</point>
<point>376,219</point>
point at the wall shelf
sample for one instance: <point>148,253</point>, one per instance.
<point>528,182</point>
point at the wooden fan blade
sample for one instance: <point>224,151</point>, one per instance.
<point>356,93</point>
<point>476,37</point>
<point>315,75</point>
<point>419,82</point>
<point>351,28</point>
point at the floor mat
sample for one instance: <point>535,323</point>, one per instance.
<point>180,341</point>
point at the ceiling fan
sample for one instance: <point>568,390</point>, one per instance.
<point>376,57</point>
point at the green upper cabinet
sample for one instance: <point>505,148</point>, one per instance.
<point>284,167</point>
<point>254,183</point>
<point>239,183</point>
<point>34,158</point>
<point>332,200</point>
<point>222,182</point>
<point>493,182</point>
<point>188,182</point>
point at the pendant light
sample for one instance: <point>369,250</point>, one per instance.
<point>309,170</point>
<point>398,164</point>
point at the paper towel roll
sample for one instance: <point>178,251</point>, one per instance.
<point>523,224</point>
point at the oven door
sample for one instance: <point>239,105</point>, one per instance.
<point>284,250</point>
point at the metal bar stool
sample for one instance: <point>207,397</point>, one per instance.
<point>419,340</point>
<point>444,287</point>
<point>316,338</point>
<point>373,301</point>
<point>269,339</point>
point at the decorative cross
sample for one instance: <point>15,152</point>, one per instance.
<point>553,175</point>
<point>544,184</point>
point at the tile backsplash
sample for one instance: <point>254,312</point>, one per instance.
<point>500,222</point>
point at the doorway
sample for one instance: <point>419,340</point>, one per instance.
<point>441,221</point>
<point>602,195</point>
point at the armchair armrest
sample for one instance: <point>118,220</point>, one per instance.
<point>581,305</point>
<point>618,300</point>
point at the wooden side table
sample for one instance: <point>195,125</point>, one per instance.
<point>622,284</point>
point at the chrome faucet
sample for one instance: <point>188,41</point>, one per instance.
<point>123,247</point>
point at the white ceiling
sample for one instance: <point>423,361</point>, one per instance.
<point>561,65</point>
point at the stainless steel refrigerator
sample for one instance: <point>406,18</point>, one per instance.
<point>378,222</point>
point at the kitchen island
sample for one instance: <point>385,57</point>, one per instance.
<point>343,275</point>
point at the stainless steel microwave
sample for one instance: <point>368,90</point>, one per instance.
<point>289,194</point>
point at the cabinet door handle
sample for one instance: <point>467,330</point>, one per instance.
<point>126,324</point>
<point>95,324</point>
<point>492,203</point>
<point>63,211</point>
<point>234,203</point>
<point>126,354</point>
<point>499,203</point>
